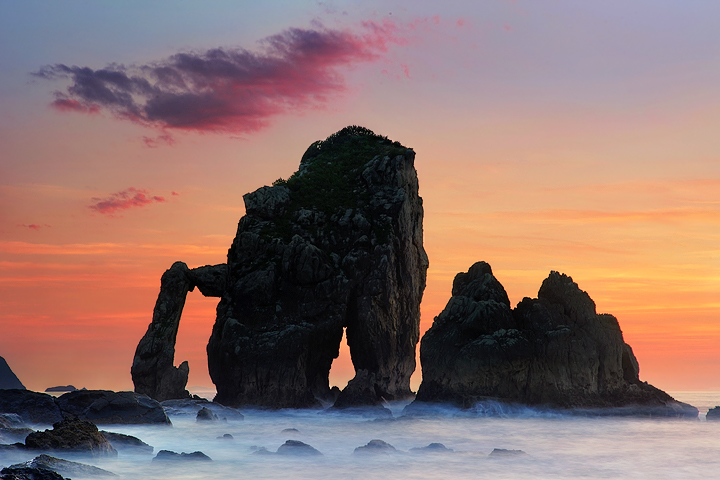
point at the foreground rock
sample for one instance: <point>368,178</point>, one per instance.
<point>32,407</point>
<point>104,407</point>
<point>153,371</point>
<point>296,447</point>
<point>64,467</point>
<point>169,456</point>
<point>29,473</point>
<point>375,447</point>
<point>128,443</point>
<point>72,435</point>
<point>8,379</point>
<point>338,245</point>
<point>713,414</point>
<point>554,350</point>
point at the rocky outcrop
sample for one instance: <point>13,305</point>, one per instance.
<point>375,447</point>
<point>72,435</point>
<point>28,473</point>
<point>170,456</point>
<point>337,246</point>
<point>32,407</point>
<point>122,442</point>
<point>8,379</point>
<point>64,467</point>
<point>298,448</point>
<point>153,371</point>
<point>554,350</point>
<point>713,415</point>
<point>104,407</point>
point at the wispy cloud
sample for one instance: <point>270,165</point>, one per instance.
<point>33,226</point>
<point>129,198</point>
<point>226,89</point>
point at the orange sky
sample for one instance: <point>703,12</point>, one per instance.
<point>549,136</point>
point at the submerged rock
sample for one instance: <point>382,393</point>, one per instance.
<point>170,456</point>
<point>65,467</point>
<point>713,414</point>
<point>122,442</point>
<point>338,245</point>
<point>32,407</point>
<point>8,379</point>
<point>375,447</point>
<point>72,435</point>
<point>501,452</point>
<point>153,372</point>
<point>296,447</point>
<point>432,448</point>
<point>554,350</point>
<point>107,407</point>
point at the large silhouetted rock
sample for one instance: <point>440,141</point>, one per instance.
<point>105,407</point>
<point>8,379</point>
<point>153,371</point>
<point>32,407</point>
<point>338,245</point>
<point>554,350</point>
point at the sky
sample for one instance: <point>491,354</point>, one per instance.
<point>549,135</point>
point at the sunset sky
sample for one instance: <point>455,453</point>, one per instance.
<point>582,137</point>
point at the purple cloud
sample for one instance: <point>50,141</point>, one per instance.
<point>129,198</point>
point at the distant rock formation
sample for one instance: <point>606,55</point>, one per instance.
<point>554,350</point>
<point>338,245</point>
<point>8,379</point>
<point>153,371</point>
<point>61,388</point>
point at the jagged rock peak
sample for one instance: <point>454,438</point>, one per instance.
<point>337,245</point>
<point>554,350</point>
<point>8,379</point>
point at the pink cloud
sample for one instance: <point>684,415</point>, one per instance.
<point>129,198</point>
<point>34,226</point>
<point>230,90</point>
<point>174,193</point>
<point>165,139</point>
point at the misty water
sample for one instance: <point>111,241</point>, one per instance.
<point>556,446</point>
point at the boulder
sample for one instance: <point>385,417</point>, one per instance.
<point>8,379</point>
<point>554,350</point>
<point>170,456</point>
<point>432,448</point>
<point>337,246</point>
<point>65,467</point>
<point>104,407</point>
<point>296,447</point>
<point>72,435</point>
<point>32,407</point>
<point>28,473</point>
<point>153,371</point>
<point>375,447</point>
<point>713,415</point>
<point>206,415</point>
<point>128,443</point>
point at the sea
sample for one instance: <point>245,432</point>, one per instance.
<point>537,445</point>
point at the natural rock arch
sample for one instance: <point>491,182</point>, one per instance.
<point>153,371</point>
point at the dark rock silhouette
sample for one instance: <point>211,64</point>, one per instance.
<point>153,371</point>
<point>122,442</point>
<point>72,435</point>
<point>61,388</point>
<point>8,379</point>
<point>375,447</point>
<point>713,414</point>
<point>296,447</point>
<point>554,350</point>
<point>170,456</point>
<point>64,467</point>
<point>32,407</point>
<point>432,448</point>
<point>338,245</point>
<point>108,407</point>
<point>502,452</point>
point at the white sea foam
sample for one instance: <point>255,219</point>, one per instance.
<point>557,446</point>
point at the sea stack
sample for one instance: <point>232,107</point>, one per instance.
<point>553,351</point>
<point>336,246</point>
<point>8,379</point>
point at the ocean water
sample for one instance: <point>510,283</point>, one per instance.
<point>556,446</point>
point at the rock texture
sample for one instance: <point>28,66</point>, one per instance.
<point>64,467</point>
<point>153,371</point>
<point>554,350</point>
<point>338,245</point>
<point>8,379</point>
<point>32,407</point>
<point>107,407</point>
<point>72,435</point>
<point>28,473</point>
